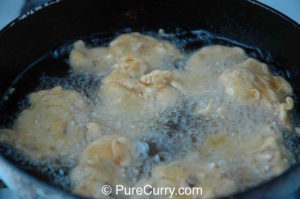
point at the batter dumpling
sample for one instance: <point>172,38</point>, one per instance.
<point>191,172</point>
<point>99,59</point>
<point>129,91</point>
<point>53,128</point>
<point>251,81</point>
<point>204,67</point>
<point>250,157</point>
<point>102,162</point>
<point>156,54</point>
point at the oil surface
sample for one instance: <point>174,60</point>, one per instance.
<point>169,137</point>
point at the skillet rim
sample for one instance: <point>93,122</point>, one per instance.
<point>255,189</point>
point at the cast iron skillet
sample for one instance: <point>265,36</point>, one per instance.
<point>30,37</point>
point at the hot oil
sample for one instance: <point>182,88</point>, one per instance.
<point>171,135</point>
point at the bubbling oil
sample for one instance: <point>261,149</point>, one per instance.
<point>169,136</point>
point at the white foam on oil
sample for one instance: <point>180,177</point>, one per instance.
<point>172,133</point>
